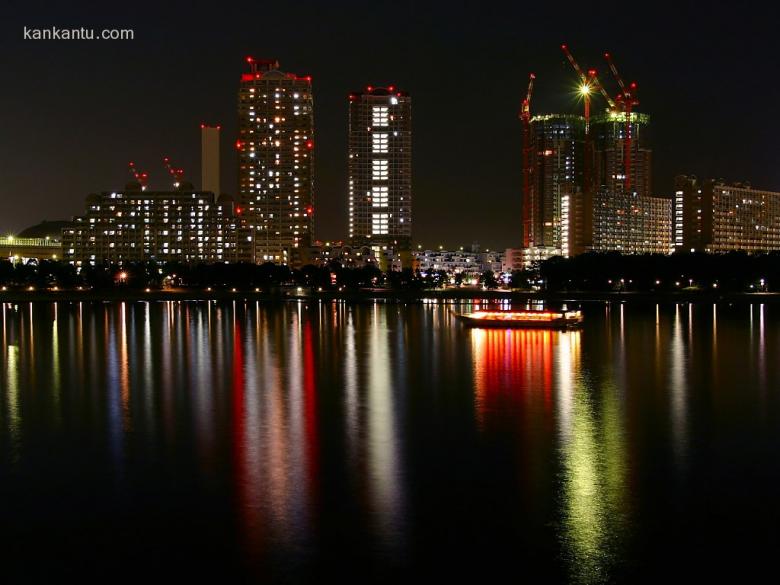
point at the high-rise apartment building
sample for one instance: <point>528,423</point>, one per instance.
<point>556,165</point>
<point>715,216</point>
<point>209,158</point>
<point>380,169</point>
<point>631,223</point>
<point>134,225</point>
<point>275,160</point>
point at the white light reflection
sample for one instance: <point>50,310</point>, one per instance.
<point>382,440</point>
<point>351,386</point>
<point>678,388</point>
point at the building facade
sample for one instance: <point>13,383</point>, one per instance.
<point>323,253</point>
<point>20,249</point>
<point>276,160</point>
<point>380,169</point>
<point>459,261</point>
<point>715,216</point>
<point>556,169</point>
<point>631,223</point>
<point>135,225</point>
<point>608,131</point>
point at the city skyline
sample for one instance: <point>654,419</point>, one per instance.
<point>117,124</point>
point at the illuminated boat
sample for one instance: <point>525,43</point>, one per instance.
<point>540,319</point>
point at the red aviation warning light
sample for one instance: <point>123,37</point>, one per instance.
<point>309,144</point>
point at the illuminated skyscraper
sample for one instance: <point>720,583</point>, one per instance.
<point>135,225</point>
<point>380,169</point>
<point>275,160</point>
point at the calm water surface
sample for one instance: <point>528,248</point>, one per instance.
<point>245,442</point>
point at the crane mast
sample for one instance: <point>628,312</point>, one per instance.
<point>525,117</point>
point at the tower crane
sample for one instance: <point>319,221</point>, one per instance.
<point>525,117</point>
<point>626,101</point>
<point>589,82</point>
<point>140,177</point>
<point>176,174</point>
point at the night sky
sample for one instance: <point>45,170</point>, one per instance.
<point>73,113</point>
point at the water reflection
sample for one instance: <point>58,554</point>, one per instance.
<point>510,364</point>
<point>678,386</point>
<point>309,432</point>
<point>383,444</point>
<point>594,468</point>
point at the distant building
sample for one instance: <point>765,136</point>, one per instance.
<point>322,253</point>
<point>209,159</point>
<point>513,260</point>
<point>276,160</point>
<point>493,261</point>
<point>380,169</point>
<point>458,261</point>
<point>135,225</point>
<point>19,249</point>
<point>523,258</point>
<point>42,241</point>
<point>715,216</point>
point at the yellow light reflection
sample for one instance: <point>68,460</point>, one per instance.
<point>12,399</point>
<point>594,467</point>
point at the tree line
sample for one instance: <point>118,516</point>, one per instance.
<point>730,272</point>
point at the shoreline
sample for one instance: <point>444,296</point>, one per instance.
<point>356,296</point>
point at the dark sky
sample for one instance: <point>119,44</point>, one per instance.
<point>72,114</point>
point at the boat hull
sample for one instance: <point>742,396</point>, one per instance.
<point>519,323</point>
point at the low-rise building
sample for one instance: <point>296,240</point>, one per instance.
<point>19,249</point>
<point>458,261</point>
<point>323,253</point>
<point>523,258</point>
